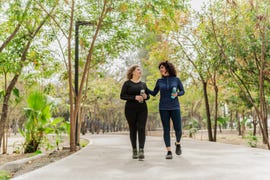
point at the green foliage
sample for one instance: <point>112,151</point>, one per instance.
<point>40,123</point>
<point>4,175</point>
<point>252,140</point>
<point>2,93</point>
<point>161,16</point>
<point>84,142</point>
<point>38,152</point>
<point>227,44</point>
<point>58,127</point>
<point>192,127</point>
<point>103,96</point>
<point>16,93</point>
<point>17,148</point>
<point>119,31</point>
<point>222,121</point>
<point>38,115</point>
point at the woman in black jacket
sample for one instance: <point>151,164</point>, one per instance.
<point>134,92</point>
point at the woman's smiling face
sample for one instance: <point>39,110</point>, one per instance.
<point>137,72</point>
<point>163,71</point>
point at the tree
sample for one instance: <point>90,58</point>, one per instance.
<point>244,52</point>
<point>112,31</point>
<point>17,45</point>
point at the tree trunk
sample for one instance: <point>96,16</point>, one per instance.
<point>4,114</point>
<point>5,142</point>
<point>265,129</point>
<point>243,124</point>
<point>207,109</point>
<point>4,129</point>
<point>238,123</point>
<point>231,120</point>
<point>72,97</point>
<point>220,129</point>
<point>254,123</point>
<point>78,98</point>
<point>216,111</point>
<point>263,103</point>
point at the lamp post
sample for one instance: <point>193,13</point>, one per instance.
<point>76,66</point>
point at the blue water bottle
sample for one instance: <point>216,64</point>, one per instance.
<point>173,92</point>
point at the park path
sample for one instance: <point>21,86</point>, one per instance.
<point>108,157</point>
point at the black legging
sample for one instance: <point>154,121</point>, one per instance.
<point>136,117</point>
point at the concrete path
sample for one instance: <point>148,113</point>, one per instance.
<point>108,157</point>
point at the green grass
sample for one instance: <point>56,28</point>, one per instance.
<point>4,175</point>
<point>83,142</point>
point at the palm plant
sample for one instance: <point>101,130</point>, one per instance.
<point>38,115</point>
<point>58,127</point>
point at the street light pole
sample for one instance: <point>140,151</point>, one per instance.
<point>76,66</point>
<point>76,78</point>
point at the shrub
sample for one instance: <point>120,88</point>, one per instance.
<point>39,123</point>
<point>252,140</point>
<point>4,175</point>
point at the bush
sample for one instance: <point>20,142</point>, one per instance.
<point>4,175</point>
<point>40,123</point>
<point>252,140</point>
<point>192,127</point>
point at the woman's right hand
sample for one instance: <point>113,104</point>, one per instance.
<point>144,96</point>
<point>139,98</point>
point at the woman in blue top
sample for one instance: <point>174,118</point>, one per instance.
<point>170,87</point>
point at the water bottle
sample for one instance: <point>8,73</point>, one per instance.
<point>173,92</point>
<point>141,93</point>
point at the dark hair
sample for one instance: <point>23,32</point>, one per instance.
<point>169,67</point>
<point>131,70</point>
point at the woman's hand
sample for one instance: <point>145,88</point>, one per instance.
<point>144,96</point>
<point>139,98</point>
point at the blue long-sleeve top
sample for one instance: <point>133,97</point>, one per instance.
<point>165,85</point>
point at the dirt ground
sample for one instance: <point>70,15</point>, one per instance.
<point>229,137</point>
<point>226,136</point>
<point>42,161</point>
<point>32,164</point>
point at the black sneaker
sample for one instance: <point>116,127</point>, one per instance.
<point>178,150</point>
<point>141,154</point>
<point>169,155</point>
<point>135,154</point>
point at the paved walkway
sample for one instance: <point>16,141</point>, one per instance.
<point>108,157</point>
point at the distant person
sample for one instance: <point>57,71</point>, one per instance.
<point>170,87</point>
<point>134,92</point>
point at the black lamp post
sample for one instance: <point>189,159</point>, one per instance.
<point>76,78</point>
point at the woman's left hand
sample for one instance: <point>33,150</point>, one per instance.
<point>144,96</point>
